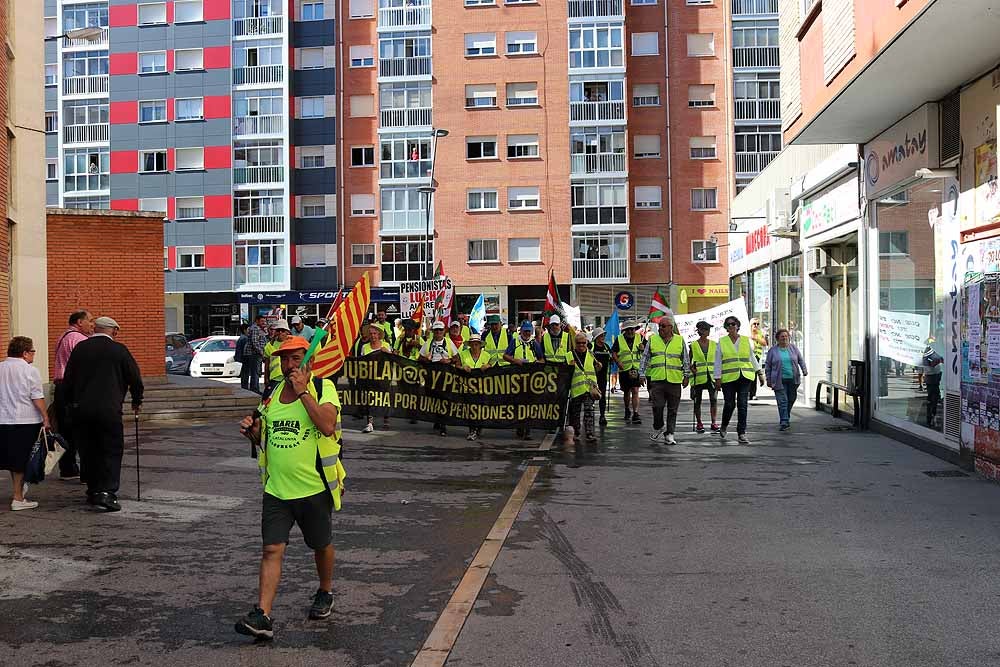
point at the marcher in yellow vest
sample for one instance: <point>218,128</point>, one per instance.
<point>736,368</point>
<point>556,345</point>
<point>466,331</point>
<point>626,352</point>
<point>702,355</point>
<point>581,397</point>
<point>385,325</point>
<point>281,333</point>
<point>438,349</point>
<point>376,343</point>
<point>665,365</point>
<point>298,431</point>
<point>408,345</point>
<point>475,358</point>
<point>523,349</point>
<point>495,340</point>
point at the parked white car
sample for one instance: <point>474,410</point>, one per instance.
<point>216,358</point>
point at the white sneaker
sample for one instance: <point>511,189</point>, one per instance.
<point>744,439</point>
<point>18,505</point>
<point>671,440</point>
<point>657,435</point>
<point>368,428</point>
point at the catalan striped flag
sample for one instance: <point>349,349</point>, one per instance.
<point>418,312</point>
<point>343,329</point>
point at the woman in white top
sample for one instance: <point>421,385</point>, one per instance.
<point>22,414</point>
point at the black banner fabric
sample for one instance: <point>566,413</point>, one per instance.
<point>528,396</point>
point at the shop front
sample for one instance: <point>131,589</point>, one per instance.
<point>695,298</point>
<point>310,306</point>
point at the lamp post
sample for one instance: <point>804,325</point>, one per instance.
<point>428,192</point>
<point>90,34</point>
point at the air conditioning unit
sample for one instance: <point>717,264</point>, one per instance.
<point>817,259</point>
<point>782,218</point>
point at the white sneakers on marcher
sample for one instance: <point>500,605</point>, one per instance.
<point>18,505</point>
<point>671,440</point>
<point>657,435</point>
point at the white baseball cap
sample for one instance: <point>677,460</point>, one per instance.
<point>438,325</point>
<point>555,320</point>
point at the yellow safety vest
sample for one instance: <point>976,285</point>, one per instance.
<point>524,350</point>
<point>627,355</point>
<point>414,350</point>
<point>736,359</point>
<point>703,364</point>
<point>328,446</point>
<point>496,349</point>
<point>563,355</point>
<point>666,359</point>
<point>582,377</point>
<point>484,360</point>
<point>466,332</point>
<point>273,361</point>
<point>367,348</point>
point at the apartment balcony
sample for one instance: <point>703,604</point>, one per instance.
<point>414,17</point>
<point>755,56</point>
<point>259,224</point>
<point>754,7</point>
<point>755,110</point>
<point>404,171</point>
<point>259,278</point>
<point>405,118</point>
<point>244,126</point>
<point>599,9</point>
<point>597,164</point>
<point>259,174</point>
<point>605,111</point>
<point>94,84</point>
<point>258,26</point>
<point>87,134</point>
<point>600,269</point>
<point>99,42</point>
<point>258,74</point>
<point>404,68</point>
<point>753,163</point>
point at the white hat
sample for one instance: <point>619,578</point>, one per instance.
<point>296,319</point>
<point>474,338</point>
<point>280,324</point>
<point>596,333</point>
<point>437,325</point>
<point>555,320</point>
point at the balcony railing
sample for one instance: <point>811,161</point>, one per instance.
<point>600,269</point>
<point>246,125</point>
<point>257,26</point>
<point>414,66</point>
<point>259,174</point>
<point>754,7</point>
<point>595,8</point>
<point>85,85</point>
<point>481,102</point>
<point>595,111</point>
<point>597,163</point>
<point>259,224</point>
<point>259,277</point>
<point>256,74</point>
<point>406,117</point>
<point>404,170</point>
<point>753,163</point>
<point>86,134</point>
<point>404,18</point>
<point>755,56</point>
<point>90,44</point>
<point>758,110</point>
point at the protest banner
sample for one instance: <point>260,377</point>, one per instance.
<point>411,292</point>
<point>528,396</point>
<point>903,336</point>
<point>714,316</point>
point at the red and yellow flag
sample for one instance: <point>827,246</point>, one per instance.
<point>343,330</point>
<point>418,312</point>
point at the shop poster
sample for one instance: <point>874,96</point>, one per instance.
<point>903,336</point>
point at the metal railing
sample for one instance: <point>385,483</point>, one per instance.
<point>269,124</point>
<point>414,66</point>
<point>752,7</point>
<point>646,101</point>
<point>595,8</point>
<point>753,163</point>
<point>86,134</point>
<point>259,174</point>
<point>85,85</point>
<point>408,169</point>
<point>600,269</point>
<point>95,43</point>
<point>404,18</point>
<point>484,102</point>
<point>259,224</point>
<point>758,109</point>
<point>597,163</point>
<point>755,56</point>
<point>605,110</point>
<point>256,74</point>
<point>255,26</point>
<point>417,117</point>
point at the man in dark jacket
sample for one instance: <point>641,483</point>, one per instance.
<point>99,372</point>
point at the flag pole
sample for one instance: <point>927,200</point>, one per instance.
<point>320,333</point>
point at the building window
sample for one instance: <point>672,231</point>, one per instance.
<point>362,156</point>
<point>153,62</point>
<point>154,205</point>
<point>480,3</point>
<point>86,170</point>
<point>701,95</point>
<point>757,96</point>
<point>51,121</point>
<point>362,254</point>
<point>701,45</point>
<point>51,169</point>
<point>755,146</point>
<point>692,3</point>
<point>522,94</point>
<point>404,259</point>
<point>87,15</point>
<point>893,244</point>
<point>648,249</point>
<point>312,11</point>
<point>190,258</point>
<point>260,261</point>
<point>402,157</point>
<point>153,111</point>
<point>480,44</point>
<point>311,255</point>
<point>484,250</point>
<point>311,157</point>
<point>362,9</point>
<point>153,14</point>
<point>596,45</point>
<point>648,196</point>
<point>190,208</point>
<point>482,200</point>
<point>51,75</point>
<point>599,203</point>
<point>311,107</point>
<point>190,108</point>
<point>646,146</point>
<point>643,2</point>
<point>646,95</point>
<point>702,148</point>
<point>258,56</point>
<point>259,203</point>
<point>480,95</point>
<point>362,106</point>
<point>481,148</point>
<point>522,199</point>
<point>312,206</point>
<point>522,146</point>
<point>600,255</point>
<point>311,58</point>
<point>363,55</point>
<point>704,199</point>
<point>152,161</point>
<point>521,43</point>
<point>645,43</point>
<point>363,205</point>
<point>189,159</point>
<point>188,11</point>
<point>189,59</point>
<point>755,43</point>
<point>51,27</point>
<point>597,149</point>
<point>704,252</point>
<point>524,250</point>
<point>403,211</point>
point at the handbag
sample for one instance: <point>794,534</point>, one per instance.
<point>55,448</point>
<point>34,471</point>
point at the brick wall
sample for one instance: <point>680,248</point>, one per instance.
<point>111,263</point>
<point>5,231</point>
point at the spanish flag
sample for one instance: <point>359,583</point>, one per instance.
<point>343,329</point>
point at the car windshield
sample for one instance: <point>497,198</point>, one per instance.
<point>218,346</point>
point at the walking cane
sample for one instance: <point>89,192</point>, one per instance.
<point>138,487</point>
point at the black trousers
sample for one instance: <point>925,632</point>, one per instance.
<point>933,383</point>
<point>67,464</point>
<point>102,443</point>
<point>602,382</point>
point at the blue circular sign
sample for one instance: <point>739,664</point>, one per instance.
<point>624,300</point>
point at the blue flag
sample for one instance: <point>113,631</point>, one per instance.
<point>612,328</point>
<point>477,318</point>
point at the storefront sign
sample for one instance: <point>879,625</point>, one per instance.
<point>833,207</point>
<point>903,336</point>
<point>378,295</point>
<point>714,316</point>
<point>411,293</point>
<point>624,300</point>
<point>705,291</point>
<point>896,154</point>
<point>757,248</point>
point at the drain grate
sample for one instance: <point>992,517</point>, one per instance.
<point>838,429</point>
<point>945,473</point>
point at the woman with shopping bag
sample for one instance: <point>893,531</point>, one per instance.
<point>22,414</point>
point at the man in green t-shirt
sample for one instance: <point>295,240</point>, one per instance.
<point>300,423</point>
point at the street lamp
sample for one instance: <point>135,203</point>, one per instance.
<point>90,34</point>
<point>428,191</point>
